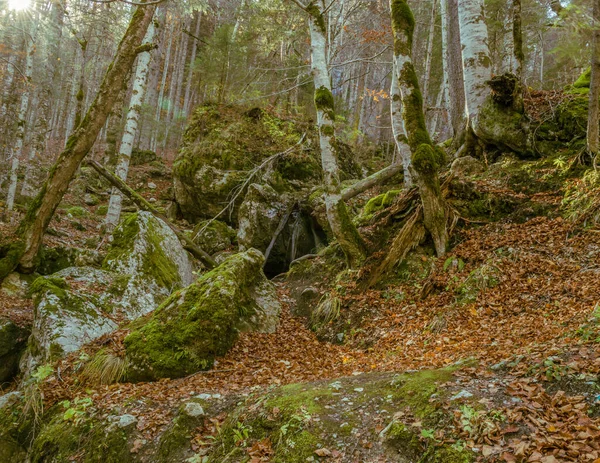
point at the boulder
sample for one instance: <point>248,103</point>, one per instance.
<point>13,340</point>
<point>15,285</point>
<point>202,321</point>
<point>467,166</point>
<point>260,215</point>
<point>223,143</point>
<point>72,307</point>
<point>206,192</point>
<point>148,251</point>
<point>213,237</point>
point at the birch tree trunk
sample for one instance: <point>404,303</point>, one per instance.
<point>476,60</point>
<point>429,56</point>
<point>41,210</point>
<point>426,159</point>
<point>190,77</point>
<point>594,102</point>
<point>17,150</point>
<point>452,58</point>
<point>398,129</point>
<point>337,215</point>
<point>131,127</point>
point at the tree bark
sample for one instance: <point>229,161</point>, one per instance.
<point>452,59</point>
<point>35,223</point>
<point>371,181</point>
<point>476,60</point>
<point>131,127</point>
<point>594,102</point>
<point>337,215</point>
<point>518,40</point>
<point>17,150</point>
<point>426,159</point>
<point>398,129</point>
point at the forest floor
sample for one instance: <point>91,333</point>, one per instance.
<point>519,301</point>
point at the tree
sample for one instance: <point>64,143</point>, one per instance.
<point>40,212</point>
<point>453,64</point>
<point>337,214</point>
<point>426,159</point>
<point>476,61</point>
<point>131,128</point>
<point>593,144</point>
<point>398,129</point>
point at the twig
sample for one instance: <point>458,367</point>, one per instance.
<point>253,172</point>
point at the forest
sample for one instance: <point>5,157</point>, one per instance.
<point>288,231</point>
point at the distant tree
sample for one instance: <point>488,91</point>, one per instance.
<point>593,145</point>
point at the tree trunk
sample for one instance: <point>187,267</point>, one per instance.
<point>131,127</point>
<point>452,59</point>
<point>190,77</point>
<point>36,221</point>
<point>594,104</point>
<point>22,118</point>
<point>337,215</point>
<point>429,56</point>
<point>426,160</point>
<point>196,251</point>
<point>398,129</point>
<point>475,57</point>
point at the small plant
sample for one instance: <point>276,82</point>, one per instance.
<point>105,368</point>
<point>75,411</point>
<point>477,424</point>
<point>327,311</point>
<point>33,396</point>
<point>241,434</point>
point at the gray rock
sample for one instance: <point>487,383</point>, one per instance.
<point>193,409</point>
<point>467,166</point>
<point>147,250</point>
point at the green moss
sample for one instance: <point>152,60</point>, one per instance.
<point>317,16</point>
<point>403,24</point>
<point>155,263</point>
<point>378,203</point>
<point>102,210</point>
<point>77,211</point>
<point>15,432</point>
<point>54,260</point>
<point>195,325</point>
<point>89,440</point>
<point>9,258</point>
<point>583,81</point>
<point>54,285</point>
<point>324,102</point>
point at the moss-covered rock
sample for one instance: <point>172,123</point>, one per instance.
<point>15,429</point>
<point>147,250</point>
<point>214,237</point>
<point>341,415</point>
<point>202,321</point>
<point>220,146</point>
<point>69,312</point>
<point>13,340</point>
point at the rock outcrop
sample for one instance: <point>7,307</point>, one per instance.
<point>202,321</point>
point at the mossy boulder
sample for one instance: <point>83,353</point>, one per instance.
<point>214,237</point>
<point>13,339</point>
<point>72,307</point>
<point>223,143</point>
<point>61,257</point>
<point>16,285</point>
<point>467,166</point>
<point>202,321</point>
<point>260,214</point>
<point>140,157</point>
<point>336,418</point>
<point>149,252</point>
<point>15,429</point>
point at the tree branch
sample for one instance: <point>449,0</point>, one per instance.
<point>200,254</point>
